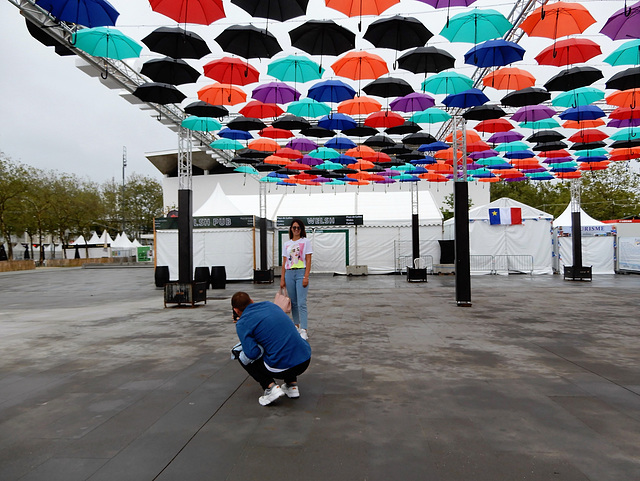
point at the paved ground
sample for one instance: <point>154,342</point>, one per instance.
<point>538,381</point>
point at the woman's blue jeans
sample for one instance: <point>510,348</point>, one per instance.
<point>298,295</point>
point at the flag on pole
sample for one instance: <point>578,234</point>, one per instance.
<point>505,216</point>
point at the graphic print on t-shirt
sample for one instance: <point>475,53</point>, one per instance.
<point>295,256</point>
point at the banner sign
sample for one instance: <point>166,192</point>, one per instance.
<point>591,230</point>
<point>231,221</point>
<point>321,220</point>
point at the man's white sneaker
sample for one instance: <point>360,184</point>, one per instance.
<point>291,391</point>
<point>271,395</point>
<point>303,334</point>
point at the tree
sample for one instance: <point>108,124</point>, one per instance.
<point>449,202</point>
<point>143,202</point>
<point>13,182</point>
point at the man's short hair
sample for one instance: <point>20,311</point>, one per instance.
<point>240,301</point>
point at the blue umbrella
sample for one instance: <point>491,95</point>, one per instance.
<point>90,13</point>
<point>340,143</point>
<point>337,122</point>
<point>466,98</point>
<point>331,91</point>
<point>582,112</point>
<point>433,147</point>
<point>519,154</point>
<point>344,159</point>
<point>494,53</point>
<point>235,134</point>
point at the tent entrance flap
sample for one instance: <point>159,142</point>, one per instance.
<point>330,249</point>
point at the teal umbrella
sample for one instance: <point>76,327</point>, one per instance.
<point>295,68</point>
<point>266,178</point>
<point>591,152</point>
<point>226,144</point>
<point>328,165</point>
<point>626,133</point>
<point>626,54</point>
<point>245,169</point>
<point>539,176</point>
<point>431,115</point>
<point>107,43</point>
<point>476,26</point>
<point>577,97</point>
<point>308,108</point>
<point>511,146</point>
<point>540,124</point>
<point>447,83</point>
<point>324,153</point>
<point>201,124</point>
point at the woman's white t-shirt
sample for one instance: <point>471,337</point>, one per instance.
<point>294,253</point>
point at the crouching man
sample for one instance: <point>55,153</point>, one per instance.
<point>270,347</point>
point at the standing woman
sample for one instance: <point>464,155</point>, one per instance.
<point>296,265</point>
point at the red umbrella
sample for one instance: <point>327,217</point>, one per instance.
<point>582,124</point>
<point>202,12</point>
<point>289,153</point>
<point>259,110</point>
<point>494,125</point>
<point>230,70</point>
<point>602,165</point>
<point>384,119</point>
<point>569,51</point>
<point>275,133</point>
<point>625,113</point>
<point>355,8</point>
<point>588,135</point>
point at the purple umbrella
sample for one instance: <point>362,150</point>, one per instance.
<point>623,24</point>
<point>621,123</point>
<point>302,144</point>
<point>501,137</point>
<point>275,93</point>
<point>308,160</point>
<point>533,113</point>
<point>448,3</point>
<point>414,102</point>
<point>483,154</point>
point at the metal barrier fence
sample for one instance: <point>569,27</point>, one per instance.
<point>502,264</point>
<point>402,262</point>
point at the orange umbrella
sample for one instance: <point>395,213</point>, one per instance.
<point>472,136</point>
<point>557,20</point>
<point>582,124</point>
<point>359,150</point>
<point>509,78</point>
<point>259,110</point>
<point>276,160</point>
<point>555,154</point>
<point>275,133</point>
<point>508,173</point>
<point>568,175</point>
<point>222,94</point>
<point>376,157</point>
<point>525,163</point>
<point>384,119</point>
<point>289,153</point>
<point>433,177</point>
<point>588,135</point>
<point>494,125</point>
<point>440,168</point>
<point>265,145</point>
<point>354,8</point>
<point>594,165</point>
<point>359,182</point>
<point>624,98</point>
<point>360,65</point>
<point>362,165</point>
<point>628,153</point>
<point>359,106</point>
<point>489,179</point>
<point>447,154</point>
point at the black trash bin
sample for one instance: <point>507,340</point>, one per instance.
<point>162,275</point>
<point>447,252</point>
<point>218,277</point>
<point>202,274</point>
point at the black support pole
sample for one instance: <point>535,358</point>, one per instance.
<point>576,238</point>
<point>262,223</point>
<point>415,237</point>
<point>185,236</point>
<point>463,269</point>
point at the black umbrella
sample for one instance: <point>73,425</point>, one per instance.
<point>247,160</point>
<point>527,96</point>
<point>547,146</point>
<point>360,131</point>
<point>419,138</point>
<point>398,33</point>
<point>627,79</point>
<point>170,71</point>
<point>159,93</point>
<point>346,171</point>
<point>280,10</point>
<point>248,41</point>
<point>318,132</point>
<point>315,171</point>
<point>426,59</point>
<point>588,145</point>
<point>203,109</point>
<point>262,167</point>
<point>396,149</point>
<point>623,144</point>
<point>413,155</point>
<point>322,37</point>
<point>546,136</point>
<point>379,140</point>
<point>291,122</point>
<point>286,171</point>
<point>407,128</point>
<point>573,78</point>
<point>484,112</point>
<point>253,153</point>
<point>43,37</point>
<point>388,87</point>
<point>176,42</point>
<point>246,124</point>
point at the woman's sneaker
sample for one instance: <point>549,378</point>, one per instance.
<point>303,334</point>
<point>291,391</point>
<point>271,395</point>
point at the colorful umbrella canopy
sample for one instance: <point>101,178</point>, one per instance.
<point>532,113</point>
<point>447,83</point>
<point>426,59</point>
<point>337,122</point>
<point>359,106</point>
<point>495,125</point>
<point>275,93</point>
<point>291,122</point>
<point>466,98</point>
<point>107,43</point>
<point>626,54</point>
<point>275,133</point>
<point>430,116</point>
<point>176,42</point>
<point>476,25</point>
<point>484,112</point>
<point>295,68</point>
<point>248,41</point>
<point>384,119</point>
<point>246,123</point>
<point>494,53</point>
<point>624,98</point>
<point>260,110</point>
<point>222,94</point>
<point>360,65</point>
<point>308,107</point>
<point>231,70</point>
<point>579,96</point>
<point>623,24</point>
<point>557,20</point>
<point>280,10</point>
<point>509,78</point>
<point>568,51</point>
<point>355,8</point>
<point>169,70</point>
<point>331,91</point>
<point>412,102</point>
<point>226,144</point>
<point>233,134</point>
<point>92,13</point>
<point>201,124</point>
<point>203,12</point>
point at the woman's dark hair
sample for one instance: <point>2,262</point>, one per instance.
<point>303,232</point>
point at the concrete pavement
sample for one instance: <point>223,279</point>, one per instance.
<point>539,380</point>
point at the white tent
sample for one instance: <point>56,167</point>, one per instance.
<point>79,241</point>
<point>597,243</point>
<point>505,248</point>
<point>122,242</point>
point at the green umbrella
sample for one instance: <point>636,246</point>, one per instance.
<point>540,124</point>
<point>335,182</point>
<point>579,96</point>
<point>491,161</point>
<point>107,43</point>
<point>476,26</point>
<point>201,124</point>
<point>324,153</point>
<point>308,107</point>
<point>591,152</point>
<point>430,116</point>
<point>626,54</point>
<point>295,68</point>
<point>266,178</point>
<point>328,165</point>
<point>226,144</point>
<point>626,133</point>
<point>447,83</point>
<point>511,146</point>
<point>245,169</point>
<point>405,168</point>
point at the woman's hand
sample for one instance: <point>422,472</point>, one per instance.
<point>283,283</point>
<point>305,281</point>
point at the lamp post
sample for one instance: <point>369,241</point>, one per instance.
<point>124,166</point>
